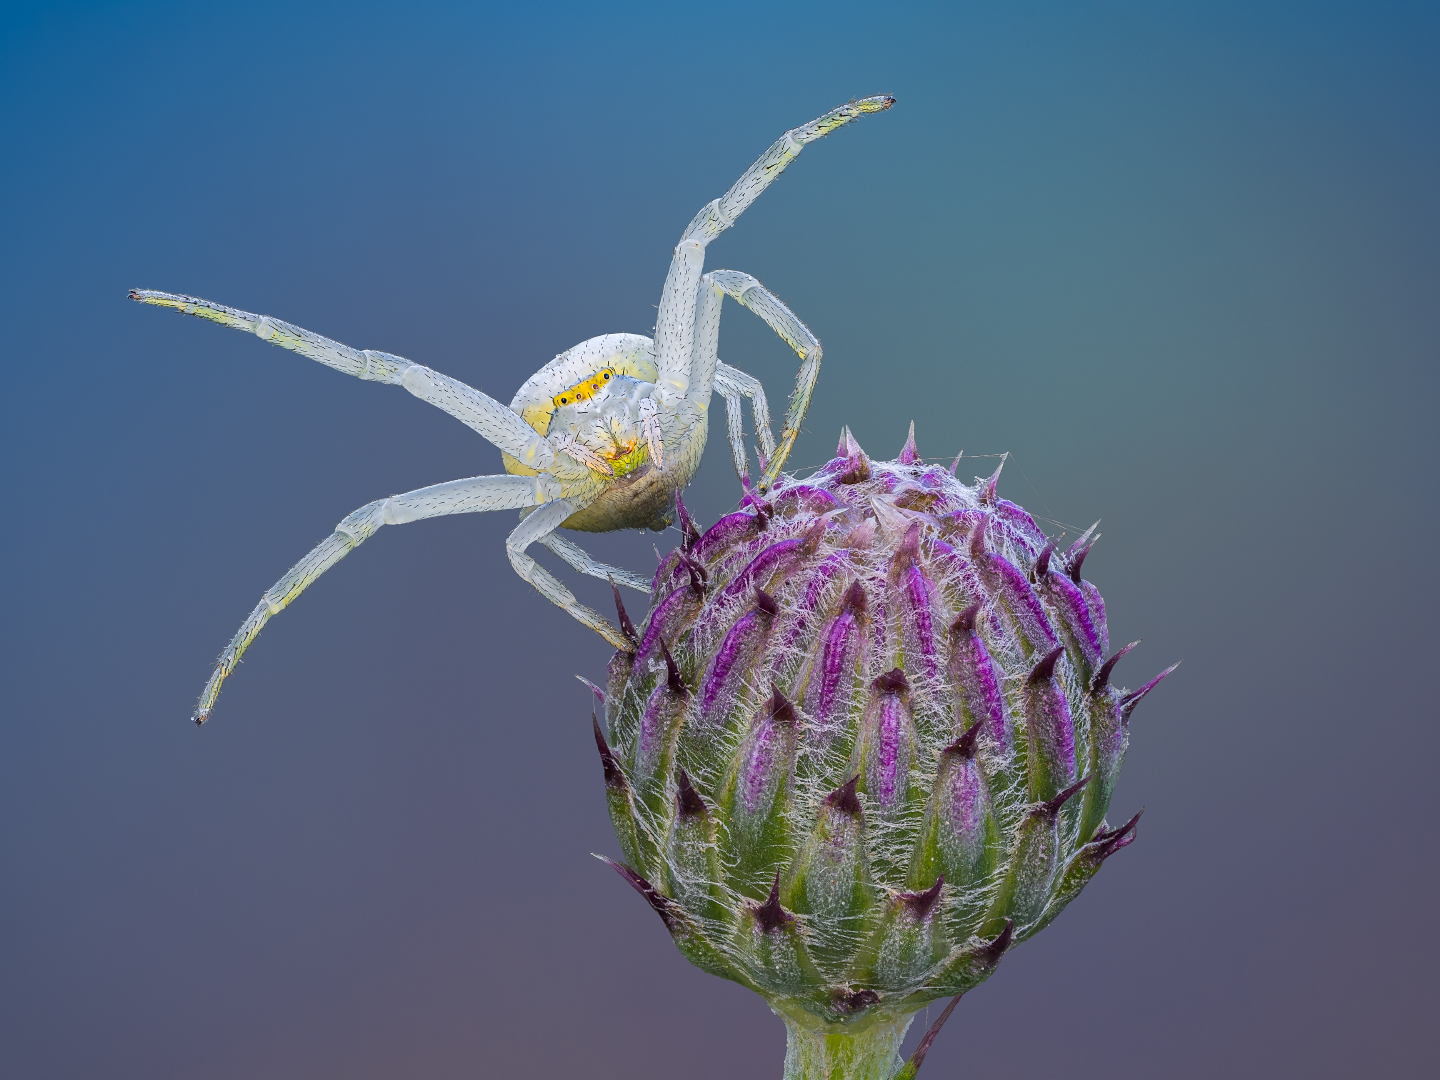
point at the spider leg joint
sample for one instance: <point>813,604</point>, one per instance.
<point>374,370</point>
<point>547,489</point>
<point>717,207</point>
<point>534,450</point>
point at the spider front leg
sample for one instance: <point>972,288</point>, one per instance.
<point>475,495</point>
<point>680,316</point>
<point>732,384</point>
<point>480,412</point>
<point>537,526</point>
<point>751,294</point>
<point>580,559</point>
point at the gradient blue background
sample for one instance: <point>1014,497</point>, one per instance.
<point>1179,259</point>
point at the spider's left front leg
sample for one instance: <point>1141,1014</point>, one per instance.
<point>581,560</point>
<point>536,528</point>
<point>731,382</point>
<point>751,294</point>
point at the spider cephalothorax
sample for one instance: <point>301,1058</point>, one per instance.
<point>600,438</point>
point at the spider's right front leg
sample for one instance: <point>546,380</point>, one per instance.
<point>751,294</point>
<point>732,384</point>
<point>675,324</point>
<point>583,561</point>
<point>477,494</point>
<point>536,528</point>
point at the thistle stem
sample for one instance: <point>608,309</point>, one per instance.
<point>818,1051</point>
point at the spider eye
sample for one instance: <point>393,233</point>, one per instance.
<point>605,375</point>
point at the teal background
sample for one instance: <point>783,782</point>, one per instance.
<point>1179,259</point>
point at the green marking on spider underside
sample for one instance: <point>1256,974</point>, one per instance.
<point>638,455</point>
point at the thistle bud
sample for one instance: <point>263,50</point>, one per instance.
<point>865,743</point>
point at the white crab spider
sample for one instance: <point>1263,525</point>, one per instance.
<point>600,438</point>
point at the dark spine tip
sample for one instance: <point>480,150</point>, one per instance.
<point>688,532</point>
<point>688,802</point>
<point>765,602</point>
<point>770,916</point>
<point>964,746</point>
<point>892,682</point>
<point>965,622</point>
<point>626,626</point>
<point>844,798</point>
<point>977,538</point>
<point>1107,843</point>
<point>855,598</point>
<point>1042,564</point>
<point>663,905</point>
<point>1129,701</point>
<point>614,777</point>
<point>698,577</point>
<point>1052,807</point>
<point>781,708</point>
<point>1044,671</point>
<point>1102,677</point>
<point>764,511</point>
<point>1078,560</point>
<point>672,673</point>
<point>920,904</point>
<point>991,952</point>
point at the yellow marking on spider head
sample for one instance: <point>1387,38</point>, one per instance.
<point>585,389</point>
<point>538,411</point>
